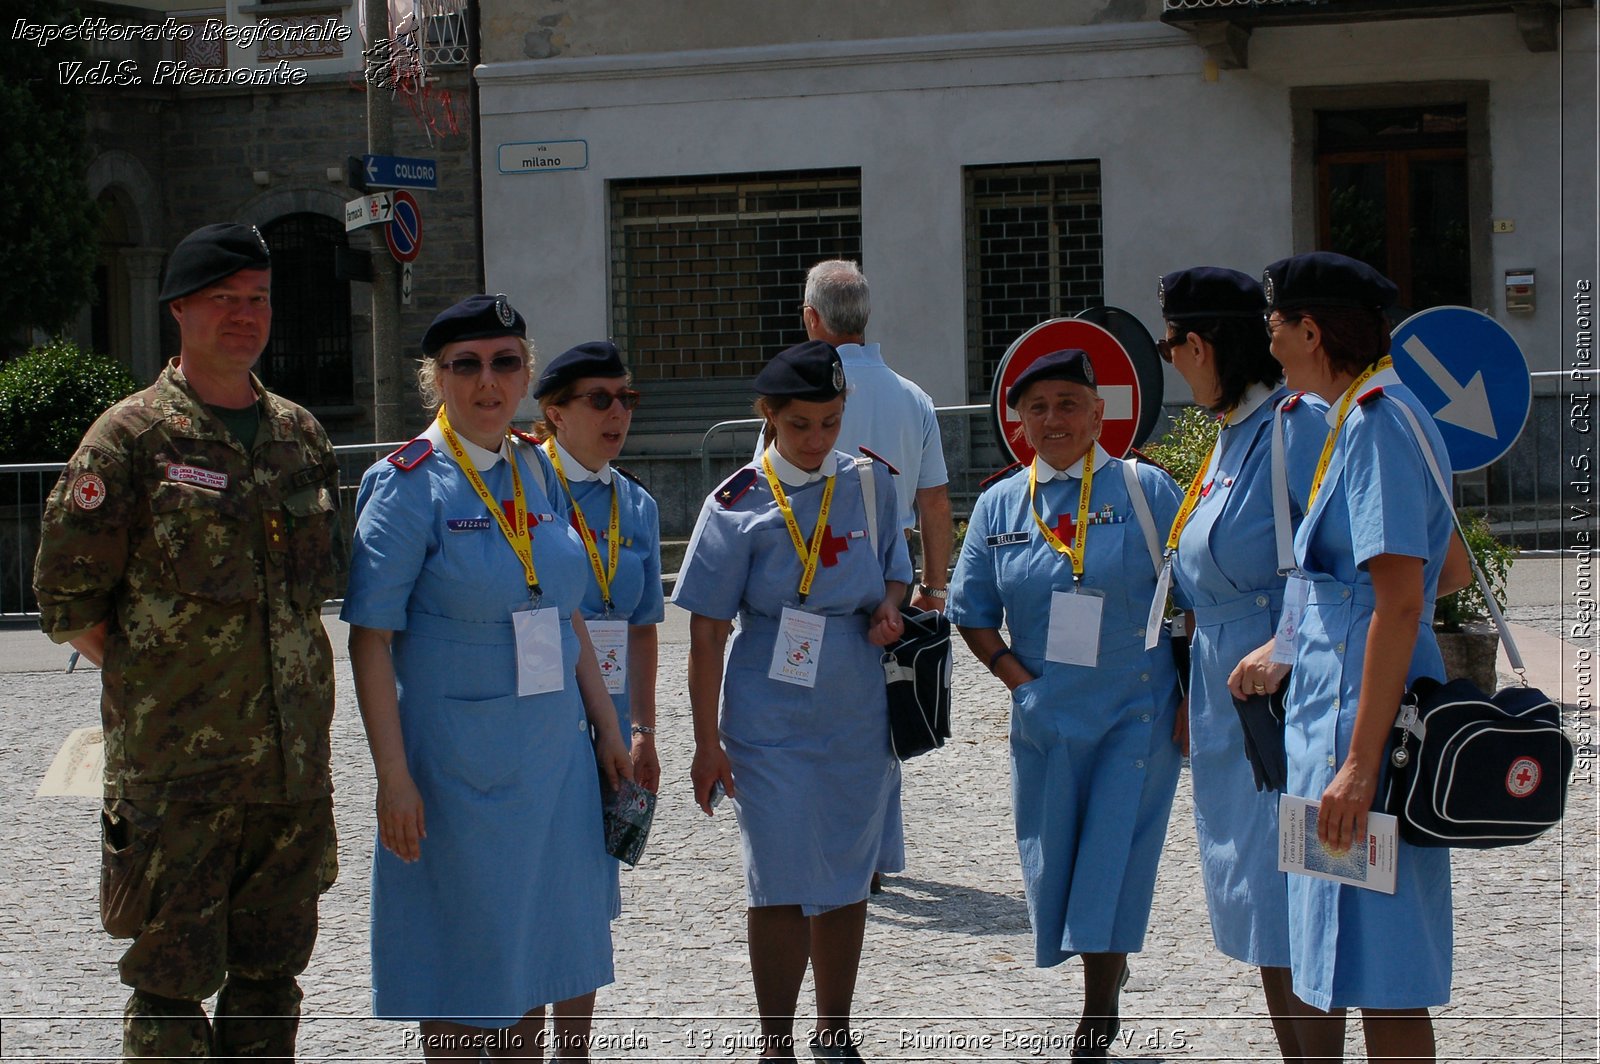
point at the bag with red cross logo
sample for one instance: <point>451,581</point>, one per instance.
<point>1474,770</point>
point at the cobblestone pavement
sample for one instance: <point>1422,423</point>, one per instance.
<point>946,974</point>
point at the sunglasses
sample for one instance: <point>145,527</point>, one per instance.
<point>602,400</point>
<point>1165,346</point>
<point>471,367</point>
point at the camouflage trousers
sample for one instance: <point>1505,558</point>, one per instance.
<point>215,897</point>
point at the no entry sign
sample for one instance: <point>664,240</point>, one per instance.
<point>1114,372</point>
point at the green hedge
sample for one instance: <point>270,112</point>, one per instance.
<point>50,396</point>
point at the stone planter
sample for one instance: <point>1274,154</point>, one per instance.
<point>1470,654</point>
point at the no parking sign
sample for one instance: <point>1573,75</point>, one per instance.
<point>404,231</point>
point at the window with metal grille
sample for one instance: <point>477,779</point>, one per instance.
<point>707,272</point>
<point>1034,251</point>
<point>308,358</point>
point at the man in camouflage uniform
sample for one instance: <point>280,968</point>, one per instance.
<point>187,549</point>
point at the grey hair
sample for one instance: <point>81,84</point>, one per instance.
<point>837,290</point>
<point>428,376</point>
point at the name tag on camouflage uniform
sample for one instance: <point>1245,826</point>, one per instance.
<point>205,478</point>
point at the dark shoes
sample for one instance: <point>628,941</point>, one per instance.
<point>835,1046</point>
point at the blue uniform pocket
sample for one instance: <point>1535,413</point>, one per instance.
<point>481,742</point>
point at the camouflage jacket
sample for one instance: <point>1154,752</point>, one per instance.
<point>210,566</point>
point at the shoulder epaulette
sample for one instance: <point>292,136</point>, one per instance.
<point>1369,395</point>
<point>1136,455</point>
<point>627,473</point>
<point>995,478</point>
<point>1292,400</point>
<point>411,455</point>
<point>876,457</point>
<point>734,487</point>
<point>527,437</point>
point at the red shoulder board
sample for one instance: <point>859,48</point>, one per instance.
<point>1367,396</point>
<point>880,459</point>
<point>411,455</point>
<point>1006,472</point>
<point>734,487</point>
<point>1292,401</point>
<point>1134,454</point>
<point>627,473</point>
<point>527,437</point>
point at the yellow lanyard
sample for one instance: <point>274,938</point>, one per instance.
<point>1344,411</point>
<point>808,559</point>
<point>603,574</point>
<point>1191,498</point>
<point>1080,532</point>
<point>515,530</point>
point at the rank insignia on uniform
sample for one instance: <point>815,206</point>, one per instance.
<point>1368,396</point>
<point>467,524</point>
<point>88,491</point>
<point>411,455</point>
<point>205,478</point>
<point>880,459</point>
<point>734,487</point>
<point>1293,400</point>
<point>1006,539</point>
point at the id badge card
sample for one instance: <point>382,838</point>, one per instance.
<point>1158,606</point>
<point>610,639</point>
<point>798,648</point>
<point>1295,594</point>
<point>1074,634</point>
<point>539,666</point>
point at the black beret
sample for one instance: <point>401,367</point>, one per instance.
<point>597,358</point>
<point>810,371</point>
<point>474,318</point>
<point>211,254</point>
<point>1209,292</point>
<point>1326,279</point>
<point>1068,365</point>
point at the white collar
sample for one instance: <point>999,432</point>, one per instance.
<point>483,460</point>
<point>575,471</point>
<point>1386,378</point>
<point>1254,396</point>
<point>796,477</point>
<point>1047,472</point>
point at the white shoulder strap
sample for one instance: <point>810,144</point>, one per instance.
<point>1512,653</point>
<point>869,497</point>
<point>1141,507</point>
<point>1281,528</point>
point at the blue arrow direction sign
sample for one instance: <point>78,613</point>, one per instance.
<point>397,171</point>
<point>1472,377</point>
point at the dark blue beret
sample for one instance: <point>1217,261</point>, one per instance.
<point>474,318</point>
<point>1209,292</point>
<point>597,358</point>
<point>1068,365</point>
<point>211,254</point>
<point>1326,279</point>
<point>810,371</point>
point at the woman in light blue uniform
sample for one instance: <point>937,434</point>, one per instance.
<point>490,886</point>
<point>1094,757</point>
<point>1376,537</point>
<point>1226,573</point>
<point>588,409</point>
<point>802,744</point>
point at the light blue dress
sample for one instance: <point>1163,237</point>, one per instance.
<point>1226,571</point>
<point>507,908</point>
<point>635,587</point>
<point>1093,764</point>
<point>1351,947</point>
<point>813,767</point>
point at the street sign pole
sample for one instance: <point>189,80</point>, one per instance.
<point>388,384</point>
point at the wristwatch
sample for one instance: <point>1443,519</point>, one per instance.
<point>933,592</point>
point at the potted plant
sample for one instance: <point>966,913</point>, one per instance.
<point>1460,622</point>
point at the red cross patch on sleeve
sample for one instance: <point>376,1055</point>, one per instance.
<point>88,491</point>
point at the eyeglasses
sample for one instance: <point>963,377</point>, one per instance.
<point>601,399</point>
<point>1166,345</point>
<point>471,367</point>
<point>1274,326</point>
